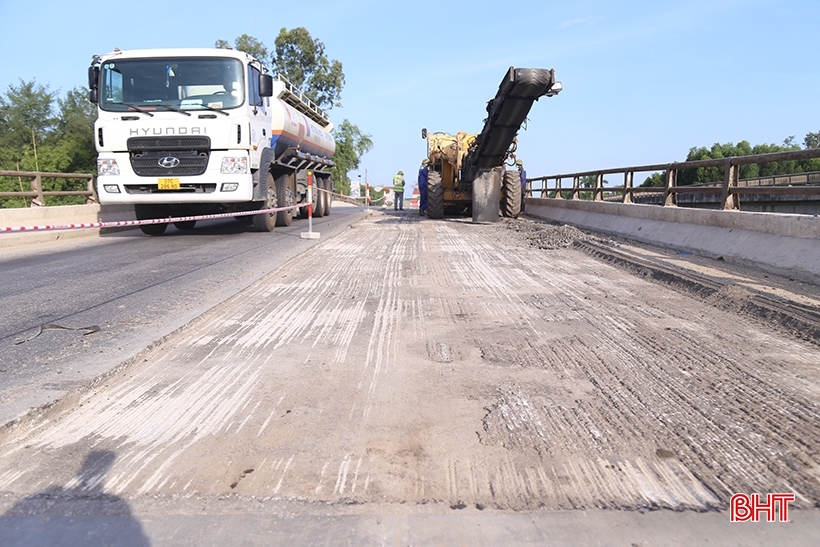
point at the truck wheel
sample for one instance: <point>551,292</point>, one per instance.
<point>265,222</point>
<point>511,194</point>
<point>153,229</point>
<point>328,195</point>
<point>284,218</point>
<point>435,195</point>
<point>318,197</point>
<point>185,225</point>
<point>146,212</point>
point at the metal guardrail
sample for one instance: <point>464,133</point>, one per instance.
<point>782,180</point>
<point>730,189</point>
<point>37,194</point>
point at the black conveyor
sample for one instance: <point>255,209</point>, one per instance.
<point>505,114</point>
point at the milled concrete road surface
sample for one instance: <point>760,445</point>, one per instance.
<point>433,382</point>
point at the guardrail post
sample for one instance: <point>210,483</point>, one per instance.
<point>37,186</point>
<point>558,194</point>
<point>628,177</point>
<point>598,194</point>
<point>670,199</point>
<point>731,201</point>
<point>92,187</point>
<point>576,183</point>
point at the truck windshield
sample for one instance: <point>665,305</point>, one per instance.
<point>175,83</point>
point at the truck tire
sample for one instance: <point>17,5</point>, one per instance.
<point>318,198</point>
<point>185,225</point>
<point>146,212</point>
<point>265,222</point>
<point>328,195</point>
<point>286,199</point>
<point>511,194</point>
<point>435,195</point>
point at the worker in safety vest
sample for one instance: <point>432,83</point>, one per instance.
<point>423,172</point>
<point>520,165</point>
<point>398,190</point>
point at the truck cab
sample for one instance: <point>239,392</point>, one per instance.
<point>179,126</point>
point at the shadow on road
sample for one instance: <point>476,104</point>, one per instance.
<point>80,513</point>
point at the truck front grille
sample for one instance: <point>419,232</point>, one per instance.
<point>169,156</point>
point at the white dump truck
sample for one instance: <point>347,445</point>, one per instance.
<point>186,132</point>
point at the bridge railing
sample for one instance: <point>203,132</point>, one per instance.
<point>730,189</point>
<point>38,190</point>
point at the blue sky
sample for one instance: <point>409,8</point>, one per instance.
<point>643,81</point>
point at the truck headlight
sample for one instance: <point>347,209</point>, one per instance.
<point>234,166</point>
<point>107,168</point>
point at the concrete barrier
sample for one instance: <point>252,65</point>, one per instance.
<point>63,214</point>
<point>782,244</point>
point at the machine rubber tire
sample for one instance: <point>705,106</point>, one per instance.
<point>145,212</point>
<point>185,225</point>
<point>265,222</point>
<point>435,195</point>
<point>284,218</point>
<point>318,198</point>
<point>511,194</point>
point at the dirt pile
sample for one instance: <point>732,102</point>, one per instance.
<point>548,235</point>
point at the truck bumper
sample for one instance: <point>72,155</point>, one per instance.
<point>210,187</point>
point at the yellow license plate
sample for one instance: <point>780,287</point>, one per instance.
<point>168,184</point>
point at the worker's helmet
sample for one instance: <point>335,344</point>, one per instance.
<point>400,173</point>
<point>519,162</point>
<point>425,161</point>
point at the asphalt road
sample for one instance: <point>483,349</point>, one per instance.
<point>136,289</point>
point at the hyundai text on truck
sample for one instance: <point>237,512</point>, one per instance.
<point>187,132</point>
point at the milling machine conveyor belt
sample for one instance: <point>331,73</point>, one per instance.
<point>505,114</point>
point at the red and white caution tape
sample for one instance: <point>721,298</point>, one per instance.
<point>122,223</point>
<point>344,196</point>
<point>119,223</point>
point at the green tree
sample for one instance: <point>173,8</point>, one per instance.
<point>248,44</point>
<point>302,60</point>
<point>75,133</point>
<point>812,140</point>
<point>728,150</point>
<point>655,179</point>
<point>27,120</point>
<point>351,145</point>
<point>32,138</point>
<point>589,181</point>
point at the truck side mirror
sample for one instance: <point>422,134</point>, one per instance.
<point>93,79</point>
<point>424,133</point>
<point>265,85</point>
